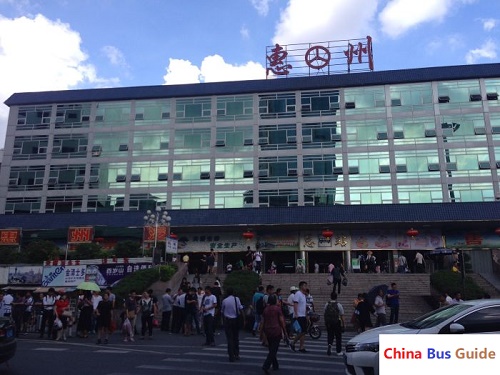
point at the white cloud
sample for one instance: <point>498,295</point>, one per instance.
<point>450,43</point>
<point>213,69</point>
<point>327,20</point>
<point>487,51</point>
<point>115,56</point>
<point>181,71</point>
<point>244,32</point>
<point>399,16</point>
<point>262,6</point>
<point>489,24</point>
<point>38,54</point>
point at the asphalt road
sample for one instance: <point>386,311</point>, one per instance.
<point>165,352</point>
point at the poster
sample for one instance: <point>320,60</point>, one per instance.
<point>67,276</point>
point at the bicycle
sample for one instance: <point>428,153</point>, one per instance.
<point>313,328</point>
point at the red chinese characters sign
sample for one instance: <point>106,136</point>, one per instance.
<point>341,56</point>
<point>152,232</point>
<point>80,234</point>
<point>10,236</point>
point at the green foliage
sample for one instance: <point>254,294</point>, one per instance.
<point>127,249</point>
<point>143,279</point>
<point>40,251</point>
<point>9,255</point>
<point>244,284</point>
<point>451,282</point>
<point>88,251</point>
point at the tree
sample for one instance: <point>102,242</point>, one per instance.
<point>88,251</point>
<point>127,249</point>
<point>40,251</point>
<point>9,255</point>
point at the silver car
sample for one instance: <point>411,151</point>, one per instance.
<point>478,316</point>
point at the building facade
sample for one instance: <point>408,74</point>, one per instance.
<point>411,138</point>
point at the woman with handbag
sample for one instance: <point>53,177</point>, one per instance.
<point>63,313</point>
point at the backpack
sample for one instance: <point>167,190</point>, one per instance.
<point>332,314</point>
<point>259,306</point>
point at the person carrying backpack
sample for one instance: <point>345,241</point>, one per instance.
<point>258,305</point>
<point>334,321</point>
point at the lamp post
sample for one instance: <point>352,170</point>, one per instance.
<point>156,219</point>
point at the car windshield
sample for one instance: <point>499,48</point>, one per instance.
<point>436,317</point>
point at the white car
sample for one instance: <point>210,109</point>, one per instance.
<point>478,316</point>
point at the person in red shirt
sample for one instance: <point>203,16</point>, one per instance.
<point>273,325</point>
<point>62,309</point>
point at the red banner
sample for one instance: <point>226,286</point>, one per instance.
<point>80,234</point>
<point>10,236</point>
<point>150,233</point>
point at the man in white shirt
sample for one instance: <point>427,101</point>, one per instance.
<point>300,314</point>
<point>96,298</point>
<point>379,305</point>
<point>7,304</point>
<point>231,309</point>
<point>419,260</point>
<point>48,313</point>
<point>209,304</point>
<point>258,261</point>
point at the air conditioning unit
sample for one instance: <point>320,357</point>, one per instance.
<point>306,139</point>
<point>308,172</point>
<point>292,172</point>
<point>292,139</point>
<point>263,173</point>
<point>336,137</point>
<point>121,178</point>
<point>263,141</point>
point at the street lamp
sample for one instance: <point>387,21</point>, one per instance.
<point>157,219</point>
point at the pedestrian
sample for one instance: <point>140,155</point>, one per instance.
<point>363,313</point>
<point>199,315</point>
<point>209,303</point>
<point>457,298</point>
<point>402,264</point>
<point>48,313</point>
<point>334,321</point>
<point>258,308</point>
<point>131,309</point>
<point>338,273</point>
<point>420,263</point>
<point>191,308</point>
<point>392,301</point>
<point>18,307</point>
<point>299,314</point>
<point>147,307</point>
<point>273,325</point>
<point>62,309</point>
<point>28,311</point>
<point>211,261</point>
<point>166,308</point>
<point>258,261</point>
<point>231,310</point>
<point>379,306</point>
<point>96,298</point>
<point>103,314</point>
<point>84,325</point>
<point>316,267</point>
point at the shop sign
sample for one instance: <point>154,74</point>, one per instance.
<point>153,233</point>
<point>109,274</point>
<point>80,235</point>
<point>10,237</point>
<point>225,242</point>
<point>332,57</point>
<point>311,241</point>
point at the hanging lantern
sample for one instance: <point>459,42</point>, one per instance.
<point>497,231</point>
<point>173,236</point>
<point>327,233</point>
<point>248,235</point>
<point>412,232</point>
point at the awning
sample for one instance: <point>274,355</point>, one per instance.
<point>17,287</point>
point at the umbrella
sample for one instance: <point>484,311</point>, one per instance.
<point>89,285</point>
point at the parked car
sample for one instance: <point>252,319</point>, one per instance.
<point>8,343</point>
<point>478,316</point>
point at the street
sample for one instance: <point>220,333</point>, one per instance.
<point>165,352</point>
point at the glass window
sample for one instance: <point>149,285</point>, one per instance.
<point>193,110</point>
<point>320,103</point>
<point>484,320</point>
<point>113,114</point>
<point>277,105</point>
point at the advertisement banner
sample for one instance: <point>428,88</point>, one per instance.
<point>152,232</point>
<point>172,245</point>
<point>314,241</point>
<point>279,242</point>
<point>25,275</point>
<point>224,243</point>
<point>80,235</point>
<point>109,274</point>
<point>67,276</point>
<point>10,237</point>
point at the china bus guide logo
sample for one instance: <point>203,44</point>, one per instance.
<point>339,56</point>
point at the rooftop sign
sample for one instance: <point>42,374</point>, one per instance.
<point>321,58</point>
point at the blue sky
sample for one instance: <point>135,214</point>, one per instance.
<point>72,44</point>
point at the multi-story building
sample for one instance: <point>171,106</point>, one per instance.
<point>366,155</point>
